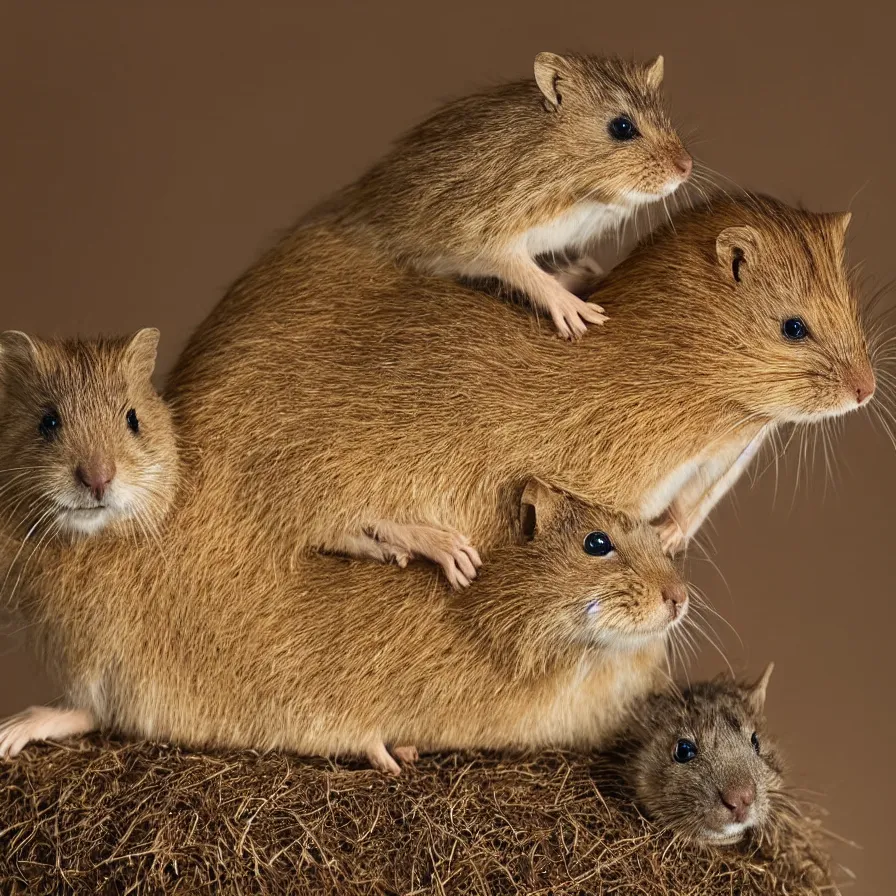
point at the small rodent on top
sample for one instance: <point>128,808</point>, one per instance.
<point>86,442</point>
<point>515,182</point>
<point>704,767</point>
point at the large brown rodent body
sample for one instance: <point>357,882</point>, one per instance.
<point>331,390</point>
<point>566,628</point>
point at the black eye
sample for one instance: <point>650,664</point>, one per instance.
<point>685,751</point>
<point>598,544</point>
<point>755,741</point>
<point>794,329</point>
<point>623,128</point>
<point>49,425</point>
<point>133,422</point>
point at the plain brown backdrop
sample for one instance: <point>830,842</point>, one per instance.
<point>151,150</point>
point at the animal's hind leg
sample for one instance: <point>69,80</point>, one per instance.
<point>406,754</point>
<point>451,550</point>
<point>379,757</point>
<point>42,723</point>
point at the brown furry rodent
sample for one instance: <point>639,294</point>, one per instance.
<point>515,181</point>
<point>564,630</point>
<point>86,442</point>
<point>705,767</point>
<point>378,407</point>
<point>87,453</point>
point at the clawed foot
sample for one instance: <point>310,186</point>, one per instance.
<point>451,550</point>
<point>380,758</point>
<point>571,315</point>
<point>406,754</point>
<point>42,723</point>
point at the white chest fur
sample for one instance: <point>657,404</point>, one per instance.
<point>581,224</point>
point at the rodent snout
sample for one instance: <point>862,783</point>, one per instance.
<point>96,476</point>
<point>864,384</point>
<point>684,164</point>
<point>738,800</point>
<point>675,597</point>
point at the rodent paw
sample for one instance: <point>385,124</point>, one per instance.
<point>406,754</point>
<point>572,315</point>
<point>380,758</point>
<point>40,723</point>
<point>459,561</point>
<point>451,550</point>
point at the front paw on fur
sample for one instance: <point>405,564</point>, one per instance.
<point>571,316</point>
<point>459,560</point>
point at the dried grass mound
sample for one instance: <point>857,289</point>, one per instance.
<point>104,817</point>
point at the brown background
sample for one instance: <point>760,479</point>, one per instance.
<point>150,150</point>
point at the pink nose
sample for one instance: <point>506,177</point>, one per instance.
<point>674,596</point>
<point>865,384</point>
<point>95,477</point>
<point>738,800</point>
<point>684,164</point>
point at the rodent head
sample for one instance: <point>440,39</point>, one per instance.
<point>610,121</point>
<point>705,768</point>
<point>764,310</point>
<point>595,578</point>
<point>86,442</point>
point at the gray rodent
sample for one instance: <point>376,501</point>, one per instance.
<point>382,412</point>
<point>567,627</point>
<point>703,765</point>
<point>511,181</point>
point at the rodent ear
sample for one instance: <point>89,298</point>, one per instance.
<point>141,352</point>
<point>550,69</point>
<point>539,503</point>
<point>756,694</point>
<point>18,353</point>
<point>737,248</point>
<point>654,72</point>
<point>839,223</point>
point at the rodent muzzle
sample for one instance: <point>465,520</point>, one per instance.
<point>675,599</point>
<point>683,165</point>
<point>864,383</point>
<point>738,801</point>
<point>96,477</point>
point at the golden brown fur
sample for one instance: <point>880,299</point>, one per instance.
<point>331,390</point>
<point>526,170</point>
<point>310,411</point>
<point>333,656</point>
<point>86,390</point>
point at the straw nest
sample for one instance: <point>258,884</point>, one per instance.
<point>100,816</point>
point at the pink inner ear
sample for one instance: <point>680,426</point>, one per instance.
<point>593,607</point>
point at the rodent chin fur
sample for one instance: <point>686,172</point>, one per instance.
<point>334,656</point>
<point>87,446</point>
<point>704,765</point>
<point>418,401</point>
<point>506,181</point>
